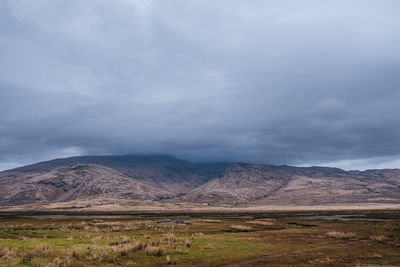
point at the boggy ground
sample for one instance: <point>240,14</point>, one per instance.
<point>276,239</point>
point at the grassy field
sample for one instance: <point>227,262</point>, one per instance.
<point>275,239</point>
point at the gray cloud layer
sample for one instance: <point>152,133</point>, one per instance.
<point>282,82</point>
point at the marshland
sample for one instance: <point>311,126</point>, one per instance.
<point>351,238</point>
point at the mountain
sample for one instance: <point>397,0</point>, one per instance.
<point>285,185</point>
<point>161,179</point>
<point>128,177</point>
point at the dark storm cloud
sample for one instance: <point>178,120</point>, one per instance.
<point>282,82</point>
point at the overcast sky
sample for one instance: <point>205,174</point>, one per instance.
<point>279,82</point>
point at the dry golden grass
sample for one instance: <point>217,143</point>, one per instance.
<point>97,254</point>
<point>118,240</point>
<point>321,261</point>
<point>99,226</point>
<point>27,256</point>
<point>125,249</point>
<point>242,228</point>
<point>170,238</point>
<point>170,261</point>
<point>208,246</point>
<point>379,238</point>
<point>261,222</point>
<point>342,235</point>
<point>24,238</point>
<point>153,251</point>
<point>78,253</point>
<point>6,253</point>
<point>188,243</point>
<point>43,250</point>
<point>61,262</point>
<point>95,239</point>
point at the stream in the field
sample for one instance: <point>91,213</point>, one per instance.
<point>180,219</point>
<point>334,217</point>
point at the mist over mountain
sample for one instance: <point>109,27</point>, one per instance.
<point>279,82</point>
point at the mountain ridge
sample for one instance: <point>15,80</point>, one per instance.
<point>163,179</point>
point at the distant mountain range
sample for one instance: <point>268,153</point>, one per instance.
<point>165,179</point>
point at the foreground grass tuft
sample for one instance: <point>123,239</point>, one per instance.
<point>154,251</point>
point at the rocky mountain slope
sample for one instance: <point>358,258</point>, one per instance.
<point>285,185</point>
<point>165,179</point>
